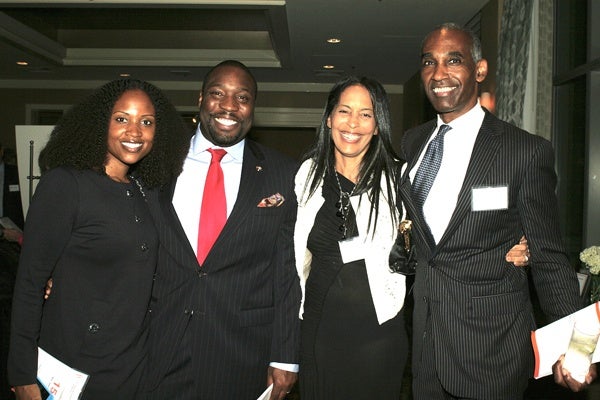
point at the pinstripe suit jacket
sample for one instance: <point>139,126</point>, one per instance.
<point>477,305</point>
<point>216,328</point>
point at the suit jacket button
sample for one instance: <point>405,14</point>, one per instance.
<point>137,219</point>
<point>94,327</point>
<point>144,247</point>
<point>128,193</point>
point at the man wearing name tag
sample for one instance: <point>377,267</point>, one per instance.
<point>473,185</point>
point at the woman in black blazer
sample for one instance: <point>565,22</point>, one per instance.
<point>89,228</point>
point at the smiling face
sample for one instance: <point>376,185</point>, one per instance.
<point>449,74</point>
<point>130,132</point>
<point>227,105</point>
<point>352,123</point>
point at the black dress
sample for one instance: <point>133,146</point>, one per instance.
<point>345,353</point>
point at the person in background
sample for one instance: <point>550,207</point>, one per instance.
<point>473,315</point>
<point>354,342</point>
<point>10,200</point>
<point>89,228</point>
<point>226,296</point>
<point>11,225</point>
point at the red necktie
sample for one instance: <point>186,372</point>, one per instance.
<point>213,213</point>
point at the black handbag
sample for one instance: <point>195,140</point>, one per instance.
<point>403,257</point>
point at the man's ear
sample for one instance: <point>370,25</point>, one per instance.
<point>481,70</point>
<point>199,99</point>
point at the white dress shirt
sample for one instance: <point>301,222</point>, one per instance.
<point>458,146</point>
<point>189,189</point>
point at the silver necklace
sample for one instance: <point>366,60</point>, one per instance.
<point>139,185</point>
<point>343,206</point>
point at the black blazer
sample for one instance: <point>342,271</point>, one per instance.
<point>478,304</point>
<point>216,328</point>
<point>96,240</point>
<point>11,200</point>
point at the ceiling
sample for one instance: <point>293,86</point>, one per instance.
<point>174,42</point>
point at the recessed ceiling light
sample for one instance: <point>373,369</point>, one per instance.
<point>334,40</point>
<point>328,66</point>
<point>124,75</point>
<point>22,63</point>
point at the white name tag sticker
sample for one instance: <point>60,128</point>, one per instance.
<point>13,188</point>
<point>489,198</point>
<point>352,249</point>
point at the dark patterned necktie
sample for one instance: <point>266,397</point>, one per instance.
<point>430,164</point>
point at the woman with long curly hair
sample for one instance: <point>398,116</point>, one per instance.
<point>90,229</point>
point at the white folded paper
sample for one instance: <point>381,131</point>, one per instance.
<point>8,223</point>
<point>266,395</point>
<point>61,381</point>
<point>552,341</point>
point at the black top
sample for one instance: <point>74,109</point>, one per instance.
<point>345,353</point>
<point>97,241</point>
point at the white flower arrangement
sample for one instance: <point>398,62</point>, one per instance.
<point>591,257</point>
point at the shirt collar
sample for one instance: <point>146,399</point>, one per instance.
<point>200,144</point>
<point>473,117</point>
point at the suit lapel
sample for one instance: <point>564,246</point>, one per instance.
<point>484,150</point>
<point>419,224</point>
<point>251,184</point>
<point>413,149</point>
<point>171,233</point>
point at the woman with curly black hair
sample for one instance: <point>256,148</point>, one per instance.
<point>89,228</point>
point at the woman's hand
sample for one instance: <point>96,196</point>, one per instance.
<point>519,253</point>
<point>28,392</point>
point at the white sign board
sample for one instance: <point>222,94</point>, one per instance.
<point>30,140</point>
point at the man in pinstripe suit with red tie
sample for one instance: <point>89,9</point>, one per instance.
<point>472,193</point>
<point>224,310</point>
